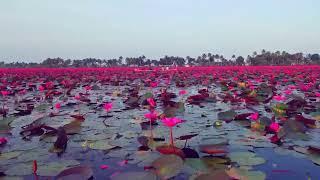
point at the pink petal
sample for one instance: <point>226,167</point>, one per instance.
<point>104,166</point>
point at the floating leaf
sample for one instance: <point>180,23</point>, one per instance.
<point>246,158</point>
<point>168,166</point>
<point>227,115</point>
<point>168,149</point>
<point>10,155</point>
<point>135,176</point>
<point>101,145</point>
<point>213,149</point>
<point>20,170</point>
<point>80,172</point>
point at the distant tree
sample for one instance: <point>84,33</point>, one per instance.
<point>315,58</point>
<point>240,61</point>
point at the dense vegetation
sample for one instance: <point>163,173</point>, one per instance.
<point>206,59</point>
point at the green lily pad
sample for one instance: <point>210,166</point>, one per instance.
<point>135,176</point>
<point>10,155</point>
<point>246,158</point>
<point>168,166</point>
<point>227,115</point>
<point>20,169</point>
<point>101,145</point>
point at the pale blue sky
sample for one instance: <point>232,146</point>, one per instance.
<point>33,30</point>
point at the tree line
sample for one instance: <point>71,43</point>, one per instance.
<point>206,59</point>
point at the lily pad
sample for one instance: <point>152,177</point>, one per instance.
<point>246,158</point>
<point>135,176</point>
<point>168,166</point>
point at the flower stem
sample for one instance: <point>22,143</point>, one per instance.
<point>171,137</point>
<point>151,129</point>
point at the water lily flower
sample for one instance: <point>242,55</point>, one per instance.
<point>57,106</point>
<point>182,92</point>
<point>3,140</point>
<point>88,88</point>
<point>279,98</point>
<point>103,166</point>
<point>5,93</point>
<point>107,107</point>
<point>292,87</point>
<point>153,84</point>
<point>49,85</point>
<point>77,97</point>
<point>171,122</point>
<point>288,91</point>
<point>274,127</point>
<point>317,94</point>
<point>41,88</point>
<point>151,102</point>
<point>152,116</point>
<point>254,116</point>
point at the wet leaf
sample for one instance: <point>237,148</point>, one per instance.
<point>135,176</point>
<point>9,155</point>
<point>80,172</point>
<point>246,158</point>
<point>168,166</point>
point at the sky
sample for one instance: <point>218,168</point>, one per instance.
<point>33,30</point>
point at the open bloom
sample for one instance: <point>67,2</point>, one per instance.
<point>170,122</point>
<point>88,88</point>
<point>153,84</point>
<point>274,127</point>
<point>77,97</point>
<point>182,92</point>
<point>103,166</point>
<point>288,91</point>
<point>5,93</point>
<point>107,107</point>
<point>3,140</point>
<point>254,116</point>
<point>152,116</point>
<point>317,94</point>
<point>279,98</point>
<point>41,88</point>
<point>57,106</point>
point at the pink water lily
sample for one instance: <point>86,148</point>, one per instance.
<point>152,116</point>
<point>288,91</point>
<point>254,116</point>
<point>57,106</point>
<point>153,84</point>
<point>103,166</point>
<point>182,92</point>
<point>274,127</point>
<point>3,140</point>
<point>88,88</point>
<point>171,122</point>
<point>108,106</point>
<point>279,98</point>
<point>41,88</point>
<point>5,93</point>
<point>77,97</point>
<point>292,87</point>
<point>317,94</point>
